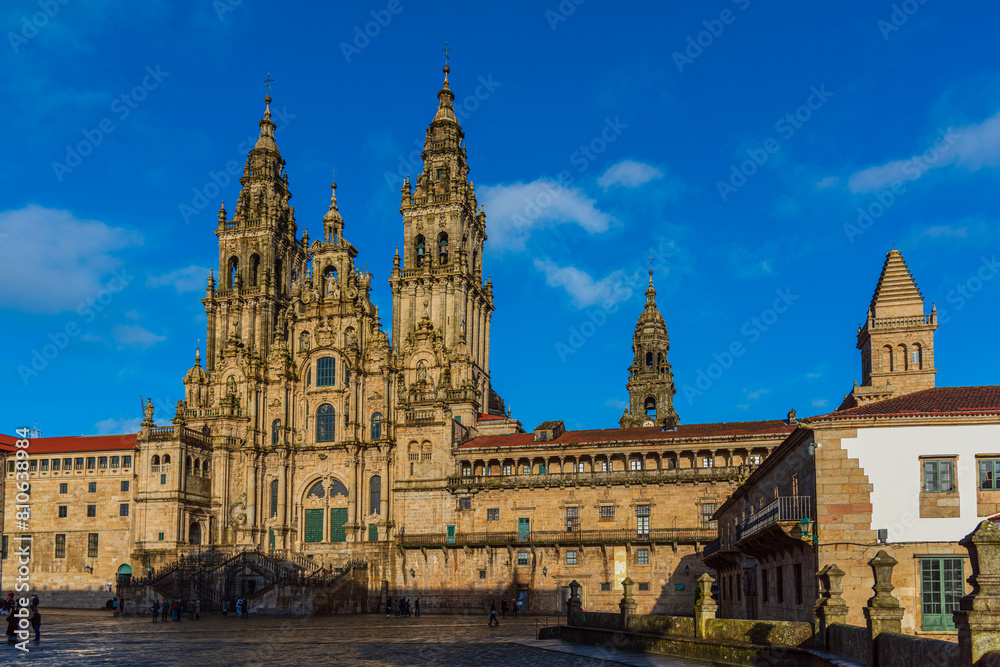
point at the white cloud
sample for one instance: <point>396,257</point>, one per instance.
<point>941,231</point>
<point>514,210</point>
<point>135,335</point>
<point>754,395</point>
<point>616,403</point>
<point>971,147</point>
<point>629,174</point>
<point>583,289</point>
<point>820,403</point>
<point>111,425</point>
<point>828,182</point>
<point>749,266</point>
<point>51,262</point>
<point>189,279</point>
<point>813,375</point>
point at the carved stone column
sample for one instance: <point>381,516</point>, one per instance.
<point>704,606</point>
<point>575,602</point>
<point>883,613</point>
<point>627,605</point>
<point>830,607</point>
<point>978,620</point>
<point>384,509</point>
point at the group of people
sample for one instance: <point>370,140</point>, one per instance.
<point>15,613</point>
<point>116,605</point>
<point>176,608</point>
<point>515,607</point>
<point>402,607</point>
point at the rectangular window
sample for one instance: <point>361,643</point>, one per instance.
<point>606,586</point>
<point>915,358</point>
<point>123,509</point>
<point>3,548</point>
<point>161,536</point>
<point>522,557</point>
<point>62,511</point>
<point>938,476</point>
<point>163,479</point>
<point>493,514</point>
<point>571,556</point>
<point>707,510</point>
<point>572,519</point>
<point>68,464</point>
<point>797,575</point>
<point>763,584</point>
<point>541,469</point>
<point>635,464</point>
<point>707,462</point>
<point>607,511</point>
<point>124,485</point>
<point>33,465</point>
<point>55,465</point>
<point>63,487</point>
<point>940,589</point>
<point>326,372</point>
<point>60,545</point>
<point>604,466</point>
<point>78,463</point>
<point>466,471</point>
<point>91,462</point>
<point>465,503</point>
<point>755,459</point>
<point>643,586</point>
<point>10,466</point>
<point>114,461</point>
<point>482,574</point>
<point>92,487</point>
<point>91,510</point>
<point>45,465</point>
<point>505,470</point>
<point>92,545</point>
<point>642,556</point>
<point>988,469</point>
<point>525,469</point>
<point>102,462</point>
<point>779,584</point>
<point>126,461</point>
<point>671,463</point>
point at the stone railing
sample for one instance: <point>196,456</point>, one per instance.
<point>648,476</point>
<point>420,417</point>
<point>893,322</point>
<point>555,537</point>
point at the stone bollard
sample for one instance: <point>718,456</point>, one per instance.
<point>704,606</point>
<point>978,618</point>
<point>575,603</point>
<point>830,607</point>
<point>883,613</point>
<point>627,605</point>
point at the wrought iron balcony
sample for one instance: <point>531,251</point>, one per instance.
<point>783,509</point>
<point>557,537</point>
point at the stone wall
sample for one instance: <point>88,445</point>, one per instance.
<point>897,650</point>
<point>761,633</point>
<point>851,641</point>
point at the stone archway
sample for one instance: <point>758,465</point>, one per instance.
<point>194,533</point>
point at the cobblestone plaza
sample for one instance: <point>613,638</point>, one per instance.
<point>71,637</point>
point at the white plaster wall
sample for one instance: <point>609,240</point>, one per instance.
<point>890,458</point>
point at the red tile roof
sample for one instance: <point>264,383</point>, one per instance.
<point>941,401</point>
<point>485,417</point>
<point>7,443</point>
<point>774,427</point>
<point>76,443</point>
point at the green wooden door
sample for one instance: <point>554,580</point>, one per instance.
<point>373,533</point>
<point>338,517</point>
<point>523,530</point>
<point>270,538</point>
<point>451,533</point>
<point>940,589</point>
<point>314,525</point>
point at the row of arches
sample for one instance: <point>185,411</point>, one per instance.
<point>606,463</point>
<point>326,425</point>
<point>253,272</point>
<point>902,357</point>
<point>192,465</point>
<point>420,249</point>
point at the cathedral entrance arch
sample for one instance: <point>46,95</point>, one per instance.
<point>194,533</point>
<point>324,497</point>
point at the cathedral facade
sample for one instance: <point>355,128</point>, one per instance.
<point>315,436</point>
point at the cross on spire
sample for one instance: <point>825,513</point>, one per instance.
<point>268,81</point>
<point>446,49</point>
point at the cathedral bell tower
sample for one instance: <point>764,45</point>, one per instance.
<point>650,380</point>
<point>259,256</point>
<point>441,306</point>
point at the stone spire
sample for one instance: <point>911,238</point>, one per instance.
<point>651,382</point>
<point>266,138</point>
<point>896,294</point>
<point>445,111</point>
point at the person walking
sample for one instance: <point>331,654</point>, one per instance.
<point>190,610</point>
<point>114,607</point>
<point>156,610</point>
<point>36,624</point>
<point>11,626</point>
<point>416,607</point>
<point>503,608</point>
<point>493,614</point>
<point>197,610</point>
<point>165,609</point>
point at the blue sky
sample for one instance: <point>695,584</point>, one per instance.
<point>763,153</point>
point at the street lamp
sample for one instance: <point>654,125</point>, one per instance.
<point>88,569</point>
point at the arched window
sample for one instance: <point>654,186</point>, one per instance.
<point>337,489</point>
<point>649,360</point>
<point>903,359</point>
<point>316,490</point>
<point>155,463</point>
<point>166,459</point>
<point>443,248</point>
<point>187,466</point>
<point>326,422</point>
<point>275,429</point>
<point>274,498</point>
<point>329,279</point>
<point>197,467</point>
<point>326,372</point>
<point>204,469</point>
<point>376,425</point>
<point>650,405</point>
<point>375,486</point>
<point>887,360</point>
<point>254,267</point>
<point>418,247</point>
<point>234,265</point>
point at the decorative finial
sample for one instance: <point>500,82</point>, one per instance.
<point>197,355</point>
<point>446,49</point>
